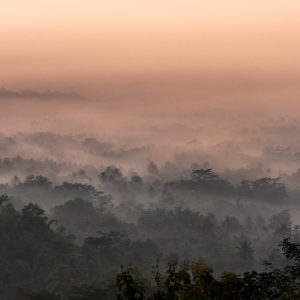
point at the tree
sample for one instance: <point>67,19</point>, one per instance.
<point>111,174</point>
<point>129,284</point>
<point>152,169</point>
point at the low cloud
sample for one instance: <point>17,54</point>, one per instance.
<point>30,94</point>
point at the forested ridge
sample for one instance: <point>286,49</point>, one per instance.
<point>82,240</point>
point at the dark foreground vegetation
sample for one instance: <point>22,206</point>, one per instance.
<point>195,281</point>
<point>39,260</point>
<point>172,238</point>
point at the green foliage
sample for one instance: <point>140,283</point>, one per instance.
<point>83,218</point>
<point>194,281</point>
<point>129,284</point>
<point>265,189</point>
<point>38,254</point>
<point>33,255</point>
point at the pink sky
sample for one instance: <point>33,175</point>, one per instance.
<point>137,58</point>
<point>59,44</point>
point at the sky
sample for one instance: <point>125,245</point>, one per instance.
<point>69,44</point>
<point>136,58</point>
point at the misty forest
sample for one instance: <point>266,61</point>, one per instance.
<point>143,229</point>
<point>149,150</point>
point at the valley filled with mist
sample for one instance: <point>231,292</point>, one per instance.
<point>218,186</point>
<point>149,150</point>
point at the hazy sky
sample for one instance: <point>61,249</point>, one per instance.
<point>176,72</point>
<point>147,62</point>
<point>77,44</point>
